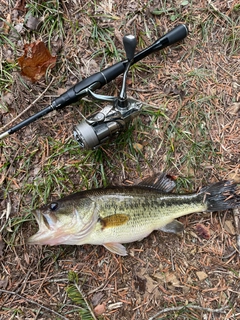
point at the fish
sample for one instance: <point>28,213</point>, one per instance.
<point>116,215</point>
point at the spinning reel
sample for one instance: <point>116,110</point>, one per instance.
<point>115,117</point>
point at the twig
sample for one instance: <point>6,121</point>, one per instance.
<point>6,213</point>
<point>218,11</point>
<point>236,218</point>
<point>34,302</point>
<point>29,107</point>
<point>85,300</point>
<point>221,310</point>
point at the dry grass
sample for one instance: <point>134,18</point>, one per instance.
<point>190,126</point>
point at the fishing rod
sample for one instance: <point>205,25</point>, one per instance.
<point>114,118</point>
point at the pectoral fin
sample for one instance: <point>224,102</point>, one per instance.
<point>173,227</point>
<point>116,247</point>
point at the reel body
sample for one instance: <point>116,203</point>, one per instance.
<point>106,124</point>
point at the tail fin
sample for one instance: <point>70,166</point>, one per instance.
<point>221,196</point>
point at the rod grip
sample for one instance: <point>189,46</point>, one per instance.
<point>177,34</point>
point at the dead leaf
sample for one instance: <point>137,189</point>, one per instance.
<point>151,287</point>
<point>138,147</point>
<point>100,309</point>
<point>36,60</point>
<point>33,23</point>
<point>140,284</point>
<point>171,279</point>
<point>234,108</point>
<point>201,275</point>
<point>228,225</point>
<point>4,283</point>
<point>96,298</point>
<point>7,99</point>
<point>89,67</point>
<point>7,24</point>
<point>202,231</point>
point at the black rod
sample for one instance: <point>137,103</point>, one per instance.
<point>99,79</point>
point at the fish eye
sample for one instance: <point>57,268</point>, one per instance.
<point>53,206</point>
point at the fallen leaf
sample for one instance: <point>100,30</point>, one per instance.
<point>201,275</point>
<point>89,67</point>
<point>202,231</point>
<point>4,283</point>
<point>138,147</point>
<point>96,298</point>
<point>7,99</point>
<point>33,23</point>
<point>228,225</point>
<point>140,284</point>
<point>100,309</point>
<point>234,108</point>
<point>171,279</point>
<point>7,24</point>
<point>36,60</point>
<point>152,287</point>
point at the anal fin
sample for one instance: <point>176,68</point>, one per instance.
<point>116,247</point>
<point>173,227</point>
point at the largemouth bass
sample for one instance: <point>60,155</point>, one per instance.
<point>116,215</point>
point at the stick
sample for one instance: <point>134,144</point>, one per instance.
<point>25,110</point>
<point>34,302</point>
<point>85,300</point>
<point>236,218</point>
<point>221,310</point>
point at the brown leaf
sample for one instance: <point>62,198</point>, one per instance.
<point>203,231</point>
<point>36,60</point>
<point>201,275</point>
<point>228,225</point>
<point>140,284</point>
<point>96,298</point>
<point>4,283</point>
<point>100,309</point>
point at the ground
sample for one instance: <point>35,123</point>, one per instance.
<point>189,127</point>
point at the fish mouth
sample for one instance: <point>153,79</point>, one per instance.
<point>46,232</point>
<point>55,231</point>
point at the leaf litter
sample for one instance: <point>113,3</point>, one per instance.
<point>36,60</point>
<point>196,87</point>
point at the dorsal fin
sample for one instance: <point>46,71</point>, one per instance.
<point>159,181</point>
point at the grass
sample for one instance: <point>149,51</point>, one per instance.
<point>51,13</point>
<point>7,67</point>
<point>185,128</point>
